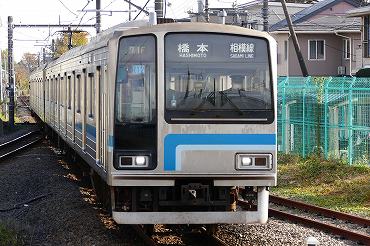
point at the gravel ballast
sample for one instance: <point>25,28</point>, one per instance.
<point>67,213</point>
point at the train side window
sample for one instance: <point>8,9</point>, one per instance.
<point>78,93</point>
<point>61,90</point>
<point>91,94</point>
<point>47,90</point>
<point>69,92</point>
<point>56,80</point>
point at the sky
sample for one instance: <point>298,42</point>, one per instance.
<point>67,12</point>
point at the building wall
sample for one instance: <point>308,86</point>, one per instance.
<point>356,52</point>
<point>282,60</point>
<point>334,54</point>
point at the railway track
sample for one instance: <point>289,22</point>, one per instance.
<point>201,238</point>
<point>10,147</point>
<point>317,222</point>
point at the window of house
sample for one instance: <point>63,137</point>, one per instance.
<point>366,37</point>
<point>346,49</point>
<point>285,50</point>
<point>316,49</point>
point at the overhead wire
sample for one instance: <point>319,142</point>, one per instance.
<point>79,23</point>
<point>67,8</point>
<point>141,10</point>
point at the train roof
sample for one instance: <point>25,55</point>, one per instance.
<point>98,41</point>
<point>143,26</point>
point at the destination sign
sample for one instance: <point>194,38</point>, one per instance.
<point>214,48</point>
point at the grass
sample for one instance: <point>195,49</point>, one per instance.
<point>4,118</point>
<point>8,237</point>
<point>327,183</point>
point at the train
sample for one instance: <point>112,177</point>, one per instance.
<point>176,121</point>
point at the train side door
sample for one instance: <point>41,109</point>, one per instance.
<point>103,117</point>
<point>73,104</point>
<point>83,111</point>
<point>65,104</point>
<point>58,104</point>
<point>98,115</point>
<point>78,121</point>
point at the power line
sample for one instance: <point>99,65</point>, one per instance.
<point>79,23</point>
<point>141,10</point>
<point>67,8</point>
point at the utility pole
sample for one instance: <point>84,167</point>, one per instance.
<point>11,71</point>
<point>1,76</point>
<point>70,38</point>
<point>129,10</point>
<point>158,6</point>
<point>295,40</point>
<point>206,12</point>
<point>98,16</point>
<point>43,56</point>
<point>265,14</point>
<point>1,70</point>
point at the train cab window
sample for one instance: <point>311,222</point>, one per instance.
<point>213,78</point>
<point>136,80</point>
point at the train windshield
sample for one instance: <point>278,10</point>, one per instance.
<point>135,83</point>
<point>217,77</point>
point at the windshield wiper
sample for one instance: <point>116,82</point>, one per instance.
<point>224,95</point>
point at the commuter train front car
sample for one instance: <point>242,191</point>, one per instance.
<point>173,118</point>
<point>194,120</point>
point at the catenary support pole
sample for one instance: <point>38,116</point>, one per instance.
<point>10,71</point>
<point>158,6</point>
<point>98,16</point>
<point>129,10</point>
<point>295,40</point>
<point>265,15</point>
<point>206,11</point>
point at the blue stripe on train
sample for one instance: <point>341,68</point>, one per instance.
<point>171,141</point>
<point>90,130</point>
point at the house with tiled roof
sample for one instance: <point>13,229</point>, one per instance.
<point>330,42</point>
<point>364,14</point>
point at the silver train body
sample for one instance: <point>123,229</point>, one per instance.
<point>172,117</point>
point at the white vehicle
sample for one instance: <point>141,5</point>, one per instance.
<point>173,118</point>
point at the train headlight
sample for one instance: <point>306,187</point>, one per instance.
<point>246,161</point>
<point>133,161</point>
<point>140,160</point>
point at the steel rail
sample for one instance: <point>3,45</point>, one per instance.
<point>23,146</point>
<point>17,139</point>
<point>145,237</point>
<point>218,241</point>
<point>351,235</point>
<point>320,210</point>
<point>24,102</point>
<point>148,240</point>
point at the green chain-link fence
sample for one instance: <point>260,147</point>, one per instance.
<point>327,115</point>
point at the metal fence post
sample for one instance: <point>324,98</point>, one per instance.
<point>304,117</point>
<point>350,123</point>
<point>283,117</point>
<point>326,94</point>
